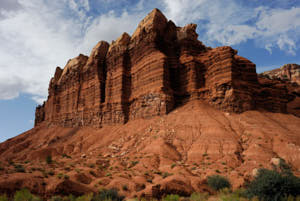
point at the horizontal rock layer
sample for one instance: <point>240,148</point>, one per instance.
<point>158,68</point>
<point>288,72</point>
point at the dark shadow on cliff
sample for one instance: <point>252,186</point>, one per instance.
<point>126,86</point>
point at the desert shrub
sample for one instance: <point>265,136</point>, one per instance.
<point>218,182</point>
<point>51,172</point>
<point>56,198</point>
<point>92,165</point>
<point>49,159</point>
<point>134,163</point>
<point>25,195</point>
<point>60,175</point>
<point>66,156</point>
<point>111,194</point>
<point>199,197</point>
<point>171,197</point>
<point>19,168</point>
<point>288,198</point>
<point>70,198</point>
<point>241,192</point>
<point>270,185</point>
<point>225,191</point>
<point>88,197</point>
<point>66,177</point>
<point>166,174</point>
<point>125,187</point>
<point>3,198</point>
<point>233,197</point>
<point>93,173</point>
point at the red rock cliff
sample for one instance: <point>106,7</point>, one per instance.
<point>158,68</point>
<point>288,72</point>
<point>281,85</point>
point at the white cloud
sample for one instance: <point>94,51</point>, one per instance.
<point>229,22</point>
<point>34,40</point>
<point>109,27</point>
<point>36,36</point>
<point>40,36</point>
<point>280,27</point>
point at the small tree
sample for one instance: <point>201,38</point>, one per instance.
<point>171,197</point>
<point>218,182</point>
<point>111,194</point>
<point>49,159</point>
<point>270,185</point>
<point>25,194</point>
<point>3,198</point>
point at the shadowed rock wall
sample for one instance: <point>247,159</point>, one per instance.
<point>158,68</point>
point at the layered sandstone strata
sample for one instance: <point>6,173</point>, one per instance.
<point>288,72</point>
<point>158,68</point>
<point>280,88</point>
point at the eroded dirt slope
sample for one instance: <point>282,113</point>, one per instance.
<point>177,151</point>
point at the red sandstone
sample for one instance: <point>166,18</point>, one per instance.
<point>156,102</point>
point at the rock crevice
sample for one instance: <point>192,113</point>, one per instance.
<point>158,68</point>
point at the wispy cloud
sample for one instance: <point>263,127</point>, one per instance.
<point>229,23</point>
<point>36,36</point>
<point>45,34</point>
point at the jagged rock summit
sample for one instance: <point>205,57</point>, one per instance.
<point>151,114</point>
<point>158,68</point>
<point>286,77</point>
<point>288,72</point>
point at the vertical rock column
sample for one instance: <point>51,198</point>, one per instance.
<point>117,82</point>
<point>92,88</point>
<point>151,94</point>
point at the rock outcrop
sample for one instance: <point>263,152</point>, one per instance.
<point>152,114</point>
<point>158,68</point>
<point>288,72</point>
<point>282,85</point>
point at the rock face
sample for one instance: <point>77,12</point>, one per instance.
<point>161,69</point>
<point>281,86</point>
<point>168,154</point>
<point>288,72</point>
<point>158,68</point>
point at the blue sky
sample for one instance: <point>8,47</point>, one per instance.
<point>38,35</point>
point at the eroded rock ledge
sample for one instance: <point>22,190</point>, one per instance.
<point>158,68</point>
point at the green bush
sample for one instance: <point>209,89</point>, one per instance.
<point>241,192</point>
<point>49,159</point>
<point>25,195</point>
<point>166,174</point>
<point>88,197</point>
<point>232,197</point>
<point>125,187</point>
<point>111,194</point>
<point>66,177</point>
<point>270,185</point>
<point>218,182</point>
<point>56,198</point>
<point>70,198</point>
<point>3,198</point>
<point>19,168</point>
<point>171,197</point>
<point>199,197</point>
<point>60,175</point>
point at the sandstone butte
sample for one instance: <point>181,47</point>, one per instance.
<point>156,112</point>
